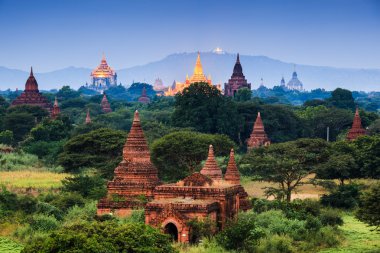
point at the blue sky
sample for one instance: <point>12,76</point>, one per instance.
<point>55,34</point>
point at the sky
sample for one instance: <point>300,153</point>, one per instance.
<point>51,35</point>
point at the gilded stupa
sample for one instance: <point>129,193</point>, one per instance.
<point>197,77</point>
<point>102,77</point>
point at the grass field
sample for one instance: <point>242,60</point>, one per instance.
<point>359,238</point>
<point>37,180</point>
<point>9,246</point>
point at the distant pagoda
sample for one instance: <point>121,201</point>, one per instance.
<point>144,98</point>
<point>106,107</point>
<point>88,118</point>
<point>31,95</point>
<point>237,80</point>
<point>258,136</point>
<point>102,77</point>
<point>135,176</point>
<point>294,83</point>
<point>356,129</point>
<point>56,110</point>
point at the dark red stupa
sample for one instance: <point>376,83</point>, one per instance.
<point>144,98</point>
<point>258,136</point>
<point>56,110</point>
<point>31,95</point>
<point>106,107</point>
<point>356,129</point>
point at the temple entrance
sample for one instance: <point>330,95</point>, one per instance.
<point>171,230</point>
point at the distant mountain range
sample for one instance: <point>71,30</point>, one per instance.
<point>219,66</point>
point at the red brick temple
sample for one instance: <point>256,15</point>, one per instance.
<point>106,107</point>
<point>88,118</point>
<point>31,95</point>
<point>237,80</point>
<point>198,196</point>
<point>144,98</point>
<point>258,136</point>
<point>356,129</point>
<point>135,177</point>
<point>56,110</point>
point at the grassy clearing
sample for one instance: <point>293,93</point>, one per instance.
<point>359,238</point>
<point>42,180</point>
<point>9,246</point>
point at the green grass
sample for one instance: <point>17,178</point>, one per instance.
<point>9,246</point>
<point>358,238</point>
<point>31,179</point>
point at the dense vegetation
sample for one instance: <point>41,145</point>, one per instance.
<point>61,214</point>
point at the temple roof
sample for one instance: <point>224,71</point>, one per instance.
<point>295,83</point>
<point>31,84</point>
<point>258,136</point>
<point>211,168</point>
<point>198,75</point>
<point>103,70</point>
<point>232,173</point>
<point>238,69</point>
<point>106,107</point>
<point>357,128</point>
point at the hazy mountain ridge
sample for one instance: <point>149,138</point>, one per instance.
<point>219,66</point>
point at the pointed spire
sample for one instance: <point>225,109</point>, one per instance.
<point>357,128</point>
<point>106,107</point>
<point>55,101</point>
<point>211,168</point>
<point>238,69</point>
<point>258,136</point>
<point>198,70</point>
<point>31,71</point>
<point>31,84</point>
<point>232,173</point>
<point>88,118</point>
<point>238,58</point>
<point>56,110</point>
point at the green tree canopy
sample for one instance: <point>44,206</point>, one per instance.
<point>369,208</point>
<point>179,154</point>
<point>342,98</point>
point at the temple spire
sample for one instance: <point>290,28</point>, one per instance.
<point>198,70</point>
<point>258,136</point>
<point>238,58</point>
<point>56,110</point>
<point>211,168</point>
<point>232,173</point>
<point>357,128</point>
<point>106,107</point>
<point>31,71</point>
<point>88,118</point>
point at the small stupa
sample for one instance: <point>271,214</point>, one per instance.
<point>356,129</point>
<point>211,168</point>
<point>258,136</point>
<point>106,107</point>
<point>144,98</point>
<point>88,118</point>
<point>232,173</point>
<point>56,110</point>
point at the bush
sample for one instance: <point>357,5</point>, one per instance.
<point>43,223</point>
<point>275,244</point>
<point>68,200</point>
<point>369,206</point>
<point>345,196</point>
<point>103,237</point>
<point>331,217</point>
<point>93,187</point>
<point>78,214</point>
<point>50,210</point>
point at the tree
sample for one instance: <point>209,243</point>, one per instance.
<point>101,149</point>
<point>66,93</point>
<point>204,108</point>
<point>179,154</point>
<point>368,155</point>
<point>103,237</point>
<point>93,187</point>
<point>369,207</point>
<point>285,164</point>
<point>342,98</point>
<point>19,123</point>
<point>341,163</point>
<point>243,94</point>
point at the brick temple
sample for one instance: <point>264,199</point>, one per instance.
<point>31,95</point>
<point>356,129</point>
<point>144,98</point>
<point>237,80</point>
<point>258,136</point>
<point>106,107</point>
<point>135,177</point>
<point>56,110</point>
<point>204,194</point>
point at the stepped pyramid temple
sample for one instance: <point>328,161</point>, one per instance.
<point>31,95</point>
<point>170,206</point>
<point>356,129</point>
<point>237,80</point>
<point>258,136</point>
<point>144,98</point>
<point>135,177</point>
<point>198,196</point>
<point>102,77</point>
<point>106,107</point>
<point>197,77</point>
<point>88,118</point>
<point>56,110</point>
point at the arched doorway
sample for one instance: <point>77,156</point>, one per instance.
<point>171,230</point>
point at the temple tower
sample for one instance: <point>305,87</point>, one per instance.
<point>211,168</point>
<point>237,80</point>
<point>106,107</point>
<point>88,118</point>
<point>232,173</point>
<point>56,110</point>
<point>258,136</point>
<point>356,129</point>
<point>144,98</point>
<point>31,95</point>
<point>135,177</point>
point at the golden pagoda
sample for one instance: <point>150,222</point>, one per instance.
<point>102,77</point>
<point>197,77</point>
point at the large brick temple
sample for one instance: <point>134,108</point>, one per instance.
<point>356,129</point>
<point>31,95</point>
<point>204,194</point>
<point>237,80</point>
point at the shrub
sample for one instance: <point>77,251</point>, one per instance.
<point>275,244</point>
<point>78,214</point>
<point>331,217</point>
<point>345,196</point>
<point>65,201</point>
<point>93,187</point>
<point>43,223</point>
<point>50,210</point>
<point>28,204</point>
<point>369,206</point>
